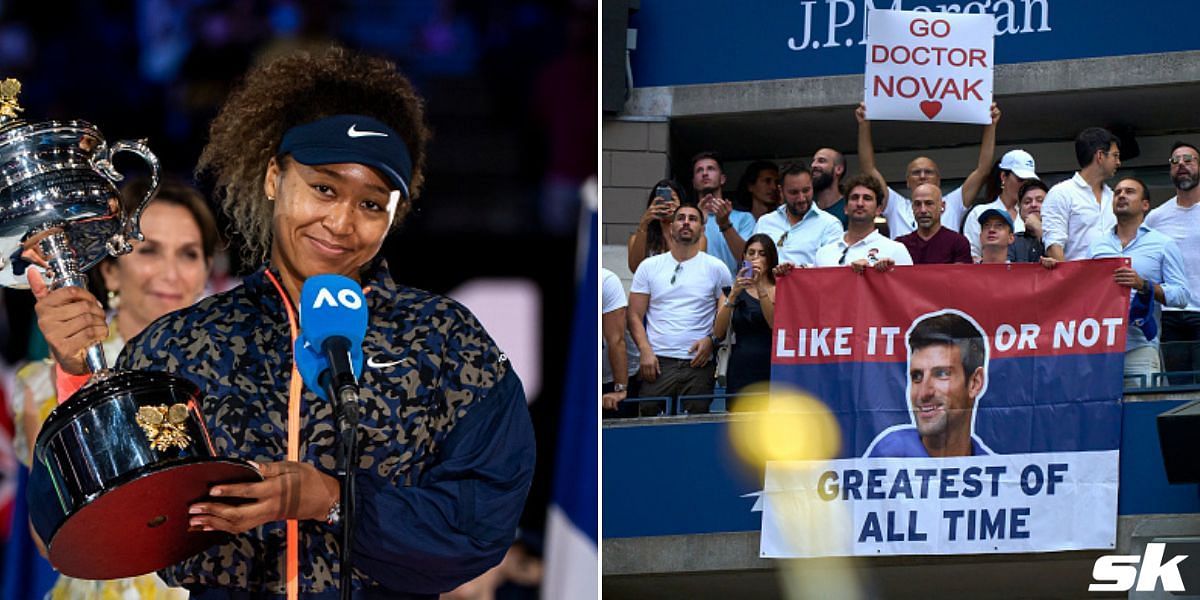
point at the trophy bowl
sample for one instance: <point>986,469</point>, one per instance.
<point>58,177</point>
<point>117,464</point>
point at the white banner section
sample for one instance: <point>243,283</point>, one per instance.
<point>924,66</point>
<point>963,505</point>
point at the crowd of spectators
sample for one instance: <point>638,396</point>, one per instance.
<point>702,300</point>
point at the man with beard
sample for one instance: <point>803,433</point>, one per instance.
<point>1079,210</point>
<point>758,189</point>
<point>798,227</point>
<point>896,208</point>
<point>672,306</point>
<point>1179,219</point>
<point>947,373</point>
<point>1155,275</point>
<point>862,246</point>
<point>932,243</point>
<point>828,167</point>
<point>726,229</point>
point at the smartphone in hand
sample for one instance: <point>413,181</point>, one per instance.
<point>662,194</point>
<point>747,270</point>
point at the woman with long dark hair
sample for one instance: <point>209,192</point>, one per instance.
<point>748,309</point>
<point>650,238</point>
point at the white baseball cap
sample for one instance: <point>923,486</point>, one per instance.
<point>1020,163</point>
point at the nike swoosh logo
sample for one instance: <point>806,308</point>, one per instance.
<point>376,364</point>
<point>354,133</point>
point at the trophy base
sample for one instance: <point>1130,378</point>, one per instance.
<point>141,526</point>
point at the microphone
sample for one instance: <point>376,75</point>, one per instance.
<point>329,357</point>
<point>333,324</point>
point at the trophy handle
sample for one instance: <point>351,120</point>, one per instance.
<point>130,223</point>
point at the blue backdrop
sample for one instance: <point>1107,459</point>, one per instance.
<point>684,42</point>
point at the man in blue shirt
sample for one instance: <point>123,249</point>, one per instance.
<point>947,372</point>
<point>1156,276</point>
<point>726,228</point>
<point>798,227</point>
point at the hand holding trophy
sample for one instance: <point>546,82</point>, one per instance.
<point>128,452</point>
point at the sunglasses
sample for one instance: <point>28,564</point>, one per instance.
<point>842,260</point>
<point>678,267</point>
<point>1182,158</point>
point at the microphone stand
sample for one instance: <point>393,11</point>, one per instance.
<point>342,385</point>
<point>347,463</point>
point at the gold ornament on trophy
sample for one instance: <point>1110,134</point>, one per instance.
<point>165,427</point>
<point>9,90</point>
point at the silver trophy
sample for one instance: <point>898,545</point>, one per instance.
<point>127,453</point>
<point>59,204</point>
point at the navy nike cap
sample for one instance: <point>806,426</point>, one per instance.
<point>351,139</point>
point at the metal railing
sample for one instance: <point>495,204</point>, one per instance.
<point>675,406</point>
<point>671,406</point>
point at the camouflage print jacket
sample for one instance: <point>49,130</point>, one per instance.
<point>447,449</point>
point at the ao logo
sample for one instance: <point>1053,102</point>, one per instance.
<point>345,297</point>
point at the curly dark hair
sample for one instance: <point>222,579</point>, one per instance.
<point>293,90</point>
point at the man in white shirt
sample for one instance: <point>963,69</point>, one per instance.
<point>1016,167</point>
<point>726,228</point>
<point>898,209</point>
<point>676,294</point>
<point>1179,219</point>
<point>622,356</point>
<point>862,246</point>
<point>1079,209</point>
<point>798,227</point>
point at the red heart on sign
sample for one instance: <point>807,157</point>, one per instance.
<point>931,108</point>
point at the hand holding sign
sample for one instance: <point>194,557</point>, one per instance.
<point>926,67</point>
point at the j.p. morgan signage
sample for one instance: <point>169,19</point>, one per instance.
<point>1013,17</point>
<point>683,42</point>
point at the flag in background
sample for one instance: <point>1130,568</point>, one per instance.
<point>572,521</point>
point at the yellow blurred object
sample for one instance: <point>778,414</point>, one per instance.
<point>782,424</point>
<point>799,434</point>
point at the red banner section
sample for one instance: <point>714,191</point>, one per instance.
<point>1027,310</point>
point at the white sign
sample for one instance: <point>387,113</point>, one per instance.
<point>924,66</point>
<point>963,505</point>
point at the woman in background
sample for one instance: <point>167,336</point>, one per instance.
<point>651,237</point>
<point>165,272</point>
<point>748,309</point>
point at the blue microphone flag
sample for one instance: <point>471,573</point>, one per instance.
<point>330,306</point>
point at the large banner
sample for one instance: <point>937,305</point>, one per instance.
<point>979,408</point>
<point>685,42</point>
<point>927,67</point>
